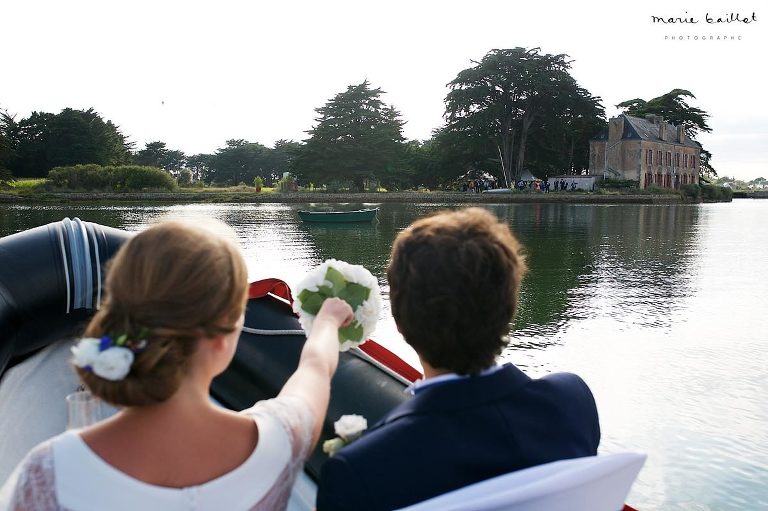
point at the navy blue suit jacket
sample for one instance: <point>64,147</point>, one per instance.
<point>460,432</point>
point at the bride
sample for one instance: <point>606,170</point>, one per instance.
<point>176,296</point>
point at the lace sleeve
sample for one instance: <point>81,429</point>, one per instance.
<point>297,419</point>
<point>295,416</point>
<point>32,484</point>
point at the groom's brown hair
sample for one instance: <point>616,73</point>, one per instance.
<point>454,282</point>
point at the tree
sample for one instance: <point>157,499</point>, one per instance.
<point>7,152</point>
<point>184,179</point>
<point>156,154</point>
<point>201,166</point>
<point>560,141</point>
<point>280,160</point>
<point>673,107</point>
<point>151,155</point>
<point>239,162</point>
<point>45,140</point>
<point>357,137</point>
<point>497,104</point>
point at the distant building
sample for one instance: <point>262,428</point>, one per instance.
<point>649,151</point>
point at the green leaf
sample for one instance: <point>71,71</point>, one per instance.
<point>312,302</point>
<point>354,294</point>
<point>121,340</point>
<point>325,291</point>
<point>304,295</point>
<point>352,332</point>
<point>336,279</point>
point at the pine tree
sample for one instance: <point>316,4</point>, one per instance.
<point>357,138</point>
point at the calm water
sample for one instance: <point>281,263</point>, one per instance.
<point>663,310</point>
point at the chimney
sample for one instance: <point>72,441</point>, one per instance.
<point>650,118</point>
<point>615,129</point>
<point>663,130</point>
<point>681,134</point>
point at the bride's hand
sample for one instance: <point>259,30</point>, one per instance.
<point>336,310</point>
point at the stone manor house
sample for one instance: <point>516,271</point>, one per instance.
<point>649,151</point>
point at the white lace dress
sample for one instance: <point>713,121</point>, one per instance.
<point>64,474</point>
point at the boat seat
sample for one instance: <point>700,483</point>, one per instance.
<point>592,483</point>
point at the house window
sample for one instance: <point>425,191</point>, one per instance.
<point>694,161</point>
<point>658,158</point>
<point>685,161</point>
<point>677,159</point>
<point>668,159</point>
<point>649,157</point>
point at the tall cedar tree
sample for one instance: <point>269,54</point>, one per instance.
<point>494,107</point>
<point>357,138</point>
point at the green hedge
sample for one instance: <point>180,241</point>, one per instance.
<point>618,184</point>
<point>124,178</point>
<point>716,193</point>
<point>707,193</point>
<point>691,192</point>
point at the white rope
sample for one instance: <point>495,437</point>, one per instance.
<point>365,356</point>
<point>354,351</point>
<point>59,229</point>
<point>98,268</point>
<point>261,331</point>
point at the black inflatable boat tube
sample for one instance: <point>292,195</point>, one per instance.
<point>50,282</point>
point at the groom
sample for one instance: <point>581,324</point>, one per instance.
<point>454,281</point>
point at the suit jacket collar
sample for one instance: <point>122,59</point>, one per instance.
<point>457,394</point>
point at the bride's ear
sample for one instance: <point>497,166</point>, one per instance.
<point>216,343</point>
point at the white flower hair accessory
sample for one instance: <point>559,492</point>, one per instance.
<point>348,428</point>
<point>106,357</point>
<point>353,284</point>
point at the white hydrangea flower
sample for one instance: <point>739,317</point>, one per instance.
<point>366,314</point>
<point>114,363</point>
<point>84,353</point>
<point>350,427</point>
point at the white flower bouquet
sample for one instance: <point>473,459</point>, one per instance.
<point>353,284</point>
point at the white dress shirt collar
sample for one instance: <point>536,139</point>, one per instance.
<point>422,384</point>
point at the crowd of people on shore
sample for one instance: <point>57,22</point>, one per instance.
<point>535,185</point>
<point>175,301</point>
<point>478,185</point>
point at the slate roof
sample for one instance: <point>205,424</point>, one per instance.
<point>636,128</point>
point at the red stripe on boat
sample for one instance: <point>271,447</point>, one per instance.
<point>277,287</point>
<point>389,359</point>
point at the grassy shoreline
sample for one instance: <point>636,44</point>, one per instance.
<point>319,197</point>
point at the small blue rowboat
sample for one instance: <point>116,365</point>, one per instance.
<point>360,215</point>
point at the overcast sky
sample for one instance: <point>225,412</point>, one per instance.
<point>194,74</point>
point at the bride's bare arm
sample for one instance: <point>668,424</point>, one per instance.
<point>312,380</point>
